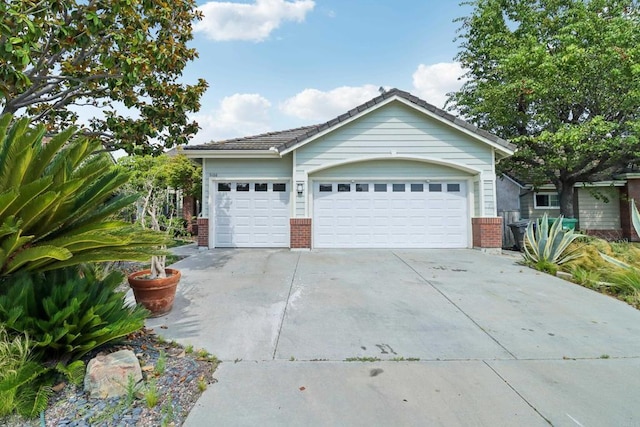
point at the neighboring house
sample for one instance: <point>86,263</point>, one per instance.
<point>508,194</point>
<point>601,207</point>
<point>395,172</point>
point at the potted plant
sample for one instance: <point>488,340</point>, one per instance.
<point>155,287</point>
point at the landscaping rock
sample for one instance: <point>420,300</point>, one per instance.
<point>108,375</point>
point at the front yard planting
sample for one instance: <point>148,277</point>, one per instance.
<point>611,268</point>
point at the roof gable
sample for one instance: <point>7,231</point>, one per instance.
<point>288,140</point>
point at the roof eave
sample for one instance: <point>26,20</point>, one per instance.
<point>501,150</point>
<point>237,154</point>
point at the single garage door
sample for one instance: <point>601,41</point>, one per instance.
<point>251,214</point>
<point>390,215</point>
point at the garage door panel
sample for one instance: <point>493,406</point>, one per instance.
<point>431,218</point>
<point>251,218</point>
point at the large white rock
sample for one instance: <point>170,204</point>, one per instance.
<point>108,375</point>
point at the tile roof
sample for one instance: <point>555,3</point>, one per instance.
<point>285,139</point>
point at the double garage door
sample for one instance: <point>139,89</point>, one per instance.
<point>347,214</point>
<point>390,215</point>
<point>251,214</point>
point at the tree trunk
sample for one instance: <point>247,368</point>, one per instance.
<point>565,194</point>
<point>157,266</point>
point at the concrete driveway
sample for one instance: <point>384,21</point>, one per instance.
<point>462,338</point>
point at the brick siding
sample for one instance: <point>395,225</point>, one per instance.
<point>487,232</point>
<point>300,233</point>
<point>203,232</point>
<point>610,235</point>
<point>631,191</point>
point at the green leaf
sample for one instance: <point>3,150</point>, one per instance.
<point>37,253</point>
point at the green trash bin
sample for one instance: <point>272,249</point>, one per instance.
<point>567,223</point>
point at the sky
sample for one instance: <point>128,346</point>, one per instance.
<point>279,64</point>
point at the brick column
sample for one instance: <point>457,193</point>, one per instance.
<point>300,233</point>
<point>487,233</point>
<point>203,232</point>
<point>631,191</point>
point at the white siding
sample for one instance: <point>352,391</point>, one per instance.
<point>597,214</point>
<point>476,198</point>
<point>489,197</point>
<point>249,169</point>
<point>396,130</point>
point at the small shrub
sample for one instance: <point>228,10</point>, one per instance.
<point>14,355</point>
<point>168,413</point>
<point>68,312</point>
<point>584,277</point>
<point>202,384</point>
<point>546,267</point>
<point>627,281</point>
<point>25,384</point>
<point>131,391</point>
<point>161,364</point>
<point>151,394</point>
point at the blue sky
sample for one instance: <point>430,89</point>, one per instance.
<point>278,64</point>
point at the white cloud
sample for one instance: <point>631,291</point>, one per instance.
<point>239,115</point>
<point>313,104</point>
<point>433,82</point>
<point>225,21</point>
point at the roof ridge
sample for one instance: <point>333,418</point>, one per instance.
<point>302,133</point>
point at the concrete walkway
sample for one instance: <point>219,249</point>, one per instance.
<point>402,337</point>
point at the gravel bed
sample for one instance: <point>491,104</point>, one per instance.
<point>187,372</point>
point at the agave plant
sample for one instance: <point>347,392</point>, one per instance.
<point>58,200</point>
<point>545,245</point>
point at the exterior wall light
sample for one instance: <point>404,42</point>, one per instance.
<point>300,188</point>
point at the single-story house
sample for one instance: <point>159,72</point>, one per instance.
<point>602,207</point>
<point>394,172</point>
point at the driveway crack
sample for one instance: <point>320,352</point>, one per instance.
<point>286,306</point>
<point>517,392</point>
<point>454,304</point>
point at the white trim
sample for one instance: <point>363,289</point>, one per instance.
<point>308,197</point>
<point>615,183</point>
<point>250,179</point>
<point>503,150</point>
<point>610,183</point>
<point>470,209</point>
<point>204,181</point>
<point>360,179</point>
<point>440,162</point>
<point>494,183</point>
<point>545,193</point>
<point>238,154</point>
<point>479,180</point>
<point>293,199</point>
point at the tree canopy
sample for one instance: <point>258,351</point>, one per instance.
<point>123,57</point>
<point>560,79</point>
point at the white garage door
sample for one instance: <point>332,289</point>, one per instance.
<point>390,215</point>
<point>251,214</point>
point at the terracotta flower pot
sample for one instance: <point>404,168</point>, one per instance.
<point>156,295</point>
